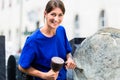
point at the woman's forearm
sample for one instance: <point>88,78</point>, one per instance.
<point>32,71</point>
<point>69,56</point>
<point>70,64</point>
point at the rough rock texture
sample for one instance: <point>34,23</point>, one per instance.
<point>98,56</point>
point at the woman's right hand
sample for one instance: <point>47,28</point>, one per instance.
<point>51,75</point>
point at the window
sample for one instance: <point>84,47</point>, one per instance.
<point>102,19</point>
<point>10,3</point>
<point>76,26</point>
<point>9,35</point>
<point>3,4</point>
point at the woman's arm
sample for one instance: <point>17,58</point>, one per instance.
<point>70,64</point>
<point>51,75</point>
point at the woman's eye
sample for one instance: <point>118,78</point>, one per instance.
<point>60,15</point>
<point>53,14</point>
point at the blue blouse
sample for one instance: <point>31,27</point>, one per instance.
<point>39,49</point>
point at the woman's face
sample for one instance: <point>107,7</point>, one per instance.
<point>54,18</point>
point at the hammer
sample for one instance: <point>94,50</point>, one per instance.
<point>56,63</point>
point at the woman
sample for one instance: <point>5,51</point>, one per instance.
<point>45,43</point>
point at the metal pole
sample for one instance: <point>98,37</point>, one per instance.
<point>2,58</point>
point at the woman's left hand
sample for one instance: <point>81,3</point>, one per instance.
<point>70,64</point>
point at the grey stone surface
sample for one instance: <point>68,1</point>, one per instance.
<point>98,56</point>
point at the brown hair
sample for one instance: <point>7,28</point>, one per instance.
<point>53,4</point>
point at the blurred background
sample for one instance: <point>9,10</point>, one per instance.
<point>19,18</point>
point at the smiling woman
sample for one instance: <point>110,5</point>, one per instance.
<point>45,43</point>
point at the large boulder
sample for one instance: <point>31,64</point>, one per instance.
<point>98,56</point>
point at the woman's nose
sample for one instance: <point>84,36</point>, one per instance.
<point>56,19</point>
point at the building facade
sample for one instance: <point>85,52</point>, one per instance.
<point>19,18</point>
